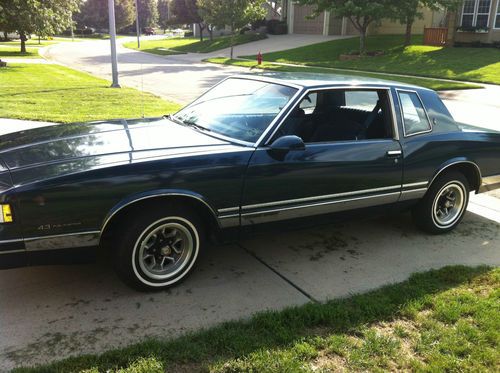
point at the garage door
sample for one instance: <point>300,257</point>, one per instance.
<point>301,25</point>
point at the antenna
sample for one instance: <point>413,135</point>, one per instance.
<point>142,92</point>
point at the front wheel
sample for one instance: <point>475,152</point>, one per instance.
<point>159,248</point>
<point>444,204</point>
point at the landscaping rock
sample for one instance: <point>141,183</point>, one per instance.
<point>349,57</point>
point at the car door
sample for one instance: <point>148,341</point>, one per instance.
<point>332,172</point>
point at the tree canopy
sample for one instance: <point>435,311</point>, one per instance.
<point>233,13</point>
<point>186,12</point>
<point>408,11</point>
<point>44,17</point>
<point>94,13</point>
<point>163,14</point>
<point>361,13</point>
<point>148,13</point>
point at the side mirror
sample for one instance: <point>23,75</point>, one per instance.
<point>288,143</point>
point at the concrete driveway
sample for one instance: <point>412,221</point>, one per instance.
<point>49,313</point>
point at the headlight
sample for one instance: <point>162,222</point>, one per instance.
<point>6,214</point>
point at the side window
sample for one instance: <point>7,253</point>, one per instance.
<point>414,118</point>
<point>361,100</point>
<point>340,115</point>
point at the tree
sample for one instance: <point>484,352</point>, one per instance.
<point>94,13</point>
<point>187,12</point>
<point>148,13</point>
<point>4,25</point>
<point>234,13</point>
<point>408,11</point>
<point>45,17</point>
<point>163,14</point>
<point>361,13</point>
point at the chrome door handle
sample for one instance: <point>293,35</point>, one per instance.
<point>394,153</point>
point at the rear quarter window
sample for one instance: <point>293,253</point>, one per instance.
<point>415,119</point>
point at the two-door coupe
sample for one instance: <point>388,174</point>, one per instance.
<point>254,149</point>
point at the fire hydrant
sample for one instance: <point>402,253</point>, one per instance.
<point>259,58</point>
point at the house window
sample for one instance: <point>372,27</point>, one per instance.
<point>476,13</point>
<point>497,18</point>
<point>468,13</point>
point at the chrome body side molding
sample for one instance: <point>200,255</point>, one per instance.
<point>318,208</point>
<point>53,242</point>
<point>323,204</point>
<point>63,241</point>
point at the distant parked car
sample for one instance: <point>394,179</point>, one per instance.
<point>148,31</point>
<point>254,149</point>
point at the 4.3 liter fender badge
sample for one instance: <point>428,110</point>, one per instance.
<point>47,227</point>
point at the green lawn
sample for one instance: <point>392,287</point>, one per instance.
<point>471,64</point>
<point>12,48</point>
<point>423,82</point>
<point>437,321</point>
<point>14,52</point>
<point>191,45</point>
<point>29,43</point>
<point>59,94</point>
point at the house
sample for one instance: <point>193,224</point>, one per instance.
<point>328,24</point>
<point>477,21</point>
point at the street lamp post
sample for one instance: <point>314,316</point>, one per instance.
<point>137,25</point>
<point>112,33</point>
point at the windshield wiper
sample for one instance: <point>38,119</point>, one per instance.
<point>187,123</point>
<point>174,119</point>
<point>195,125</point>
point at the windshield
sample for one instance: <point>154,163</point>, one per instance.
<point>241,109</point>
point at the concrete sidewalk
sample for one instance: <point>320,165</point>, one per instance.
<point>479,107</point>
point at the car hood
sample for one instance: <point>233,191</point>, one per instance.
<point>67,142</point>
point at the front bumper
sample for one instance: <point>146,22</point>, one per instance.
<point>12,254</point>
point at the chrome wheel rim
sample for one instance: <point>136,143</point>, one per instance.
<point>449,204</point>
<point>165,250</point>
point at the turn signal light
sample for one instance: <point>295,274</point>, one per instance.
<point>6,215</point>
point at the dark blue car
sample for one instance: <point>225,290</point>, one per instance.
<point>254,149</point>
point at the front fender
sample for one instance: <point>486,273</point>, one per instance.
<point>155,194</point>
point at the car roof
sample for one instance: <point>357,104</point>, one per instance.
<point>318,80</point>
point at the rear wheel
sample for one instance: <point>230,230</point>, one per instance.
<point>444,204</point>
<point>159,248</point>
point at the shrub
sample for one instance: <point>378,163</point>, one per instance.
<point>276,27</point>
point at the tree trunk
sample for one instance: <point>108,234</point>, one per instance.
<point>232,44</point>
<point>23,41</point>
<point>201,28</point>
<point>211,32</point>
<point>409,25</point>
<point>362,42</point>
<point>6,36</point>
<point>39,40</point>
